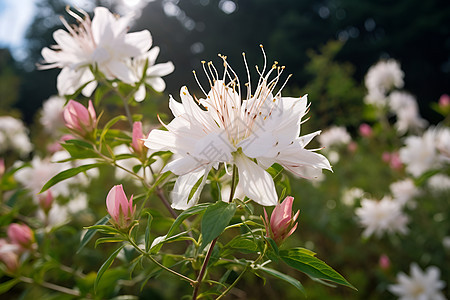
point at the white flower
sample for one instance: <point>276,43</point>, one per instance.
<point>103,43</point>
<point>405,107</point>
<point>14,136</point>
<point>77,203</point>
<point>153,73</point>
<point>52,114</point>
<point>380,79</point>
<point>443,141</point>
<point>335,135</point>
<point>420,153</point>
<point>420,285</point>
<point>381,216</point>
<point>404,191</point>
<point>57,216</point>
<point>250,130</point>
<point>349,196</point>
<point>439,183</point>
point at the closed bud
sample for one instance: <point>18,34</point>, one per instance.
<point>8,255</point>
<point>21,235</point>
<point>80,119</point>
<point>137,142</point>
<point>46,201</point>
<point>282,223</point>
<point>119,208</point>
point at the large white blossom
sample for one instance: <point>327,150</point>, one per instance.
<point>380,79</point>
<point>419,285</point>
<point>421,153</point>
<point>103,43</point>
<point>14,136</point>
<point>251,130</point>
<point>406,109</point>
<point>382,216</point>
<point>335,135</point>
<point>52,115</point>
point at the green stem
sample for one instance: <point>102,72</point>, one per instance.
<point>233,183</point>
<point>159,264</point>
<point>51,286</point>
<point>233,284</point>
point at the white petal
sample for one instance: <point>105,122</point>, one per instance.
<point>256,183</point>
<point>119,70</point>
<point>160,69</point>
<point>184,165</point>
<point>156,83</point>
<point>160,140</point>
<point>176,107</point>
<point>183,187</point>
<point>101,25</point>
<point>89,89</point>
<point>139,96</point>
<point>141,40</point>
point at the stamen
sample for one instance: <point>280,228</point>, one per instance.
<point>198,82</point>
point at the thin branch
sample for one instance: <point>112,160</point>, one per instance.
<point>51,286</point>
<point>233,284</point>
<point>203,270</point>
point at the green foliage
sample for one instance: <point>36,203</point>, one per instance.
<point>216,218</point>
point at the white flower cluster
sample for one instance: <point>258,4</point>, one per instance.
<point>103,44</point>
<point>420,285</point>
<point>334,136</point>
<point>14,136</point>
<point>381,80</point>
<point>427,152</point>
<point>382,216</point>
<point>52,115</point>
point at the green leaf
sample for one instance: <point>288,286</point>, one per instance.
<point>109,124</point>
<point>216,218</point>
<point>90,233</point>
<point>67,174</point>
<point>124,156</point>
<point>284,277</point>
<point>105,229</point>
<point>273,245</point>
<point>186,214</point>
<point>6,286</point>
<point>242,244</point>
<point>106,266</point>
<point>147,232</point>
<point>305,261</point>
<point>108,240</point>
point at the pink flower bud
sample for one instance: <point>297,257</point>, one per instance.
<point>444,101</point>
<point>8,255</point>
<point>80,119</point>
<point>46,201</point>
<point>384,262</point>
<point>2,167</point>
<point>138,135</point>
<point>365,130</point>
<point>120,209</point>
<point>386,157</point>
<point>395,162</point>
<point>281,223</point>
<point>21,235</point>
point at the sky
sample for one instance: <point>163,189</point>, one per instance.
<point>16,15</point>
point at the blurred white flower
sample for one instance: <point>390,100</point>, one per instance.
<point>14,136</point>
<point>251,130</point>
<point>52,115</point>
<point>153,73</point>
<point>335,135</point>
<point>77,203</point>
<point>420,153</point>
<point>419,285</point>
<point>446,242</point>
<point>103,43</point>
<point>380,79</point>
<point>443,141</point>
<point>405,107</point>
<point>404,191</point>
<point>349,196</point>
<point>381,216</point>
<point>57,216</point>
<point>439,183</point>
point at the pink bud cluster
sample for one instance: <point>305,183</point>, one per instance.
<point>21,238</point>
<point>281,224</point>
<point>119,208</point>
<point>80,119</point>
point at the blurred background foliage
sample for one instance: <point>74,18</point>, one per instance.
<point>296,33</point>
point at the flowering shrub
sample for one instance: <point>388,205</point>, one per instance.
<point>200,187</point>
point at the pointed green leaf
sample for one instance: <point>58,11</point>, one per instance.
<point>109,124</point>
<point>67,174</point>
<point>305,261</point>
<point>108,240</point>
<point>90,233</point>
<point>284,277</point>
<point>186,214</point>
<point>106,266</point>
<point>216,218</point>
<point>6,286</point>
<point>147,232</point>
